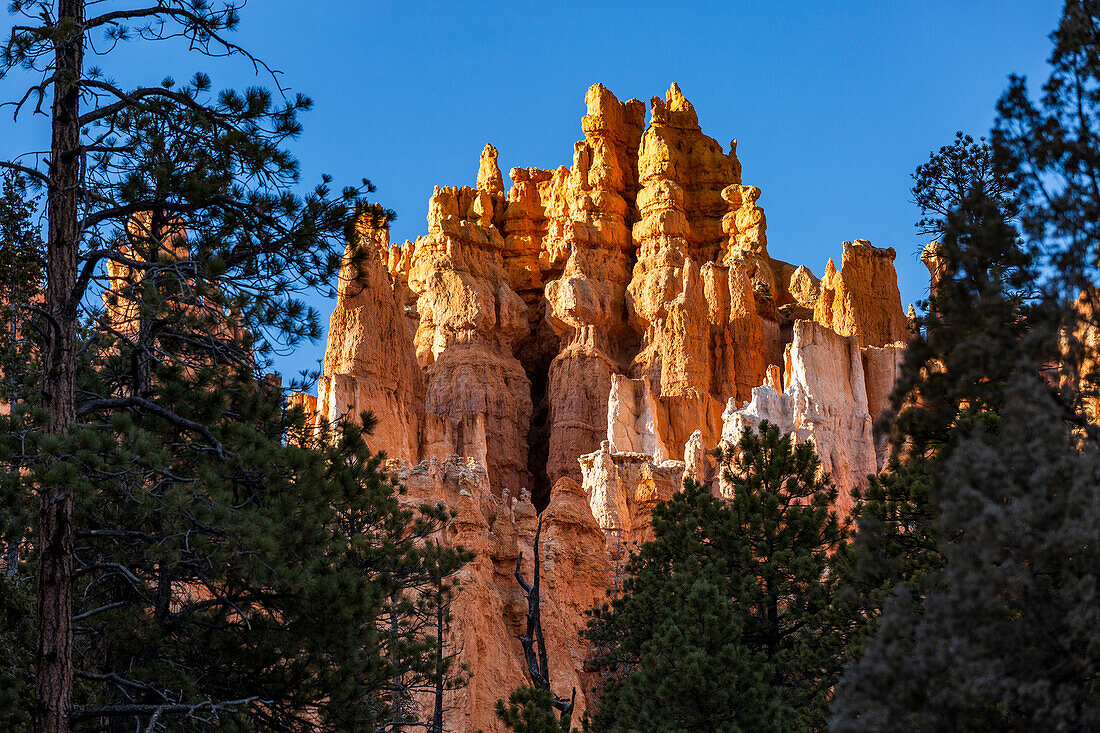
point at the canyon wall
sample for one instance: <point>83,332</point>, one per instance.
<point>578,343</point>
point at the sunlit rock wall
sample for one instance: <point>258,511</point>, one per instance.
<point>577,344</point>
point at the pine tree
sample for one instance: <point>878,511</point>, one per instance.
<point>1050,144</point>
<point>201,559</point>
<point>1002,638</point>
<point>253,588</point>
<point>746,636</point>
<point>529,710</point>
<point>983,291</point>
<point>21,253</point>
<point>954,172</point>
<point>980,340</point>
<point>238,578</point>
<point>1008,641</point>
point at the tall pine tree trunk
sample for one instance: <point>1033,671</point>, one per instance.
<point>440,617</point>
<point>53,653</point>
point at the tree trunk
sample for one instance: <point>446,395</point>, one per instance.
<point>53,652</point>
<point>440,616</point>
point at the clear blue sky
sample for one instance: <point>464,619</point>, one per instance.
<point>833,103</point>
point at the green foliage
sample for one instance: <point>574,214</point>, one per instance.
<point>981,315</point>
<point>1000,633</point>
<point>21,252</point>
<point>183,166</point>
<point>1008,640</point>
<point>229,567</point>
<point>981,332</point>
<point>1050,144</point>
<point>897,542</point>
<point>284,585</point>
<point>529,710</point>
<point>16,643</point>
<point>747,635</point>
<point>954,172</point>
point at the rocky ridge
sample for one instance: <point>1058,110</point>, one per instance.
<point>577,344</point>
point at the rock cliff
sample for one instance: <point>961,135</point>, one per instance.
<point>490,607</point>
<point>578,343</point>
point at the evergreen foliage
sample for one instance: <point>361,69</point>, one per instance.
<point>200,558</point>
<point>1001,636</point>
<point>1051,145</point>
<point>962,376</point>
<point>956,366</point>
<point>16,651</point>
<point>727,620</point>
<point>954,172</point>
<point>21,259</point>
<point>529,710</point>
<point>1008,642</point>
<point>260,584</point>
<point>21,252</point>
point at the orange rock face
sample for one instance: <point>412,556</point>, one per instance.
<point>369,360</point>
<point>861,299</point>
<point>579,343</point>
<point>489,606</point>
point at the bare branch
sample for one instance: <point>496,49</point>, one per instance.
<point>136,709</point>
<point>128,99</point>
<point>141,403</point>
<point>207,25</point>
<point>94,611</point>
<point>35,174</point>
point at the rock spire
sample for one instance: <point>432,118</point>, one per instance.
<point>578,343</point>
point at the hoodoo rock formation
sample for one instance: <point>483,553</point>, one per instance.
<point>578,343</point>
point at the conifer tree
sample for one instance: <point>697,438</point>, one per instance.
<point>954,172</point>
<point>979,340</point>
<point>21,253</point>
<point>993,638</point>
<point>727,618</point>
<point>240,578</point>
<point>983,291</point>
<point>529,710</point>
<point>1005,640</point>
<point>1050,144</point>
<point>254,588</point>
<point>199,557</point>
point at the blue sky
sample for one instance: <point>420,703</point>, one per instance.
<point>833,104</point>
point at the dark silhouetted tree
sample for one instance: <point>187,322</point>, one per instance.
<point>1051,145</point>
<point>954,172</point>
<point>1008,640</point>
<point>192,564</point>
<point>21,253</point>
<point>1004,636</point>
<point>978,314</point>
<point>533,707</point>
